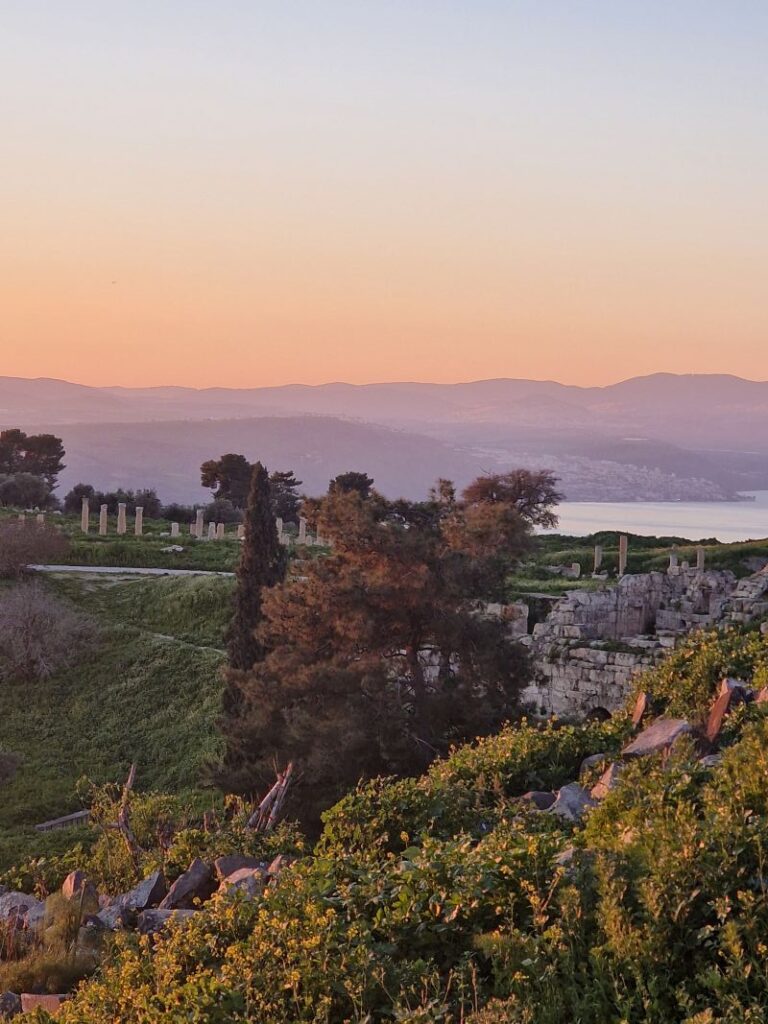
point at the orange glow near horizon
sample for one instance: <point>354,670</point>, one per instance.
<point>223,198</point>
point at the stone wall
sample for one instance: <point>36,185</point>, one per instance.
<point>588,649</point>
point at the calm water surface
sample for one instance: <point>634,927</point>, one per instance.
<point>726,520</point>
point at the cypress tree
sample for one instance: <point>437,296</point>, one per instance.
<point>262,564</point>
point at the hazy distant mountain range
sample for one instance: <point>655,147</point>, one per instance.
<point>661,436</point>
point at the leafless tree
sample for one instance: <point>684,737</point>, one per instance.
<point>39,634</point>
<point>24,543</point>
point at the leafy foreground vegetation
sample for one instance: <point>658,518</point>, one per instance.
<point>441,898</point>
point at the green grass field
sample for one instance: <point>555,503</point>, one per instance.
<point>148,692</point>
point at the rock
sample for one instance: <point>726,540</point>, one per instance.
<point>77,887</point>
<point>148,893</point>
<point>10,1005</point>
<point>282,860</point>
<point>764,628</point>
<point>111,917</point>
<point>726,699</point>
<point>564,859</point>
<point>20,909</point>
<point>152,921</point>
<point>251,881</point>
<point>607,781</point>
<point>572,802</point>
<point>710,760</point>
<point>640,708</point>
<point>661,735</point>
<point>51,1004</point>
<point>195,884</point>
<point>227,865</point>
<point>593,761</point>
<point>538,799</point>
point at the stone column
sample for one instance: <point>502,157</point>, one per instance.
<point>700,558</point>
<point>623,548</point>
<point>598,557</point>
<point>673,558</point>
<point>103,512</point>
<point>121,520</point>
<point>279,525</point>
<point>199,523</point>
<point>41,518</point>
<point>85,516</point>
<point>174,529</point>
<point>241,532</point>
<point>220,531</point>
<point>138,527</point>
<point>211,531</point>
<point>302,530</point>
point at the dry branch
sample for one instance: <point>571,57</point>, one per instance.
<point>266,814</point>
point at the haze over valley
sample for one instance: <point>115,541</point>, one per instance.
<point>697,437</point>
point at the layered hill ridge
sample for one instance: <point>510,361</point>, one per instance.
<point>668,436</point>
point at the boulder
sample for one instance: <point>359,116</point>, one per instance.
<point>196,884</point>
<point>564,859</point>
<point>20,909</point>
<point>661,735</point>
<point>77,887</point>
<point>282,860</point>
<point>152,921</point>
<point>572,802</point>
<point>148,893</point>
<point>710,760</point>
<point>726,699</point>
<point>593,761</point>
<point>121,912</point>
<point>51,1004</point>
<point>227,865</point>
<point>251,881</point>
<point>10,1005</point>
<point>538,799</point>
<point>641,707</point>
<point>111,917</point>
<point>607,781</point>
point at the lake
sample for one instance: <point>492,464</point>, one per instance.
<point>726,520</point>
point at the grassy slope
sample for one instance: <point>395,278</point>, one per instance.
<point>138,697</point>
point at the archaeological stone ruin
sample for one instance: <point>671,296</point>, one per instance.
<point>586,652</point>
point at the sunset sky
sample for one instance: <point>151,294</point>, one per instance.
<point>249,192</point>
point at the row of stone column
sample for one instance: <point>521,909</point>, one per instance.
<point>122,519</point>
<point>216,531</point>
<point>624,550</point>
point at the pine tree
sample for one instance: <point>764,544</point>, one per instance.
<point>262,564</point>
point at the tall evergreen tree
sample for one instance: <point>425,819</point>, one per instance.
<point>262,564</point>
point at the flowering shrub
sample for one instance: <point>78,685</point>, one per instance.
<point>443,899</point>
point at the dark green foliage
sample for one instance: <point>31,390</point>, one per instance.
<point>378,656</point>
<point>24,490</point>
<point>262,565</point>
<point>286,501</point>
<point>222,510</point>
<point>145,498</point>
<point>39,454</point>
<point>351,482</point>
<point>228,477</point>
